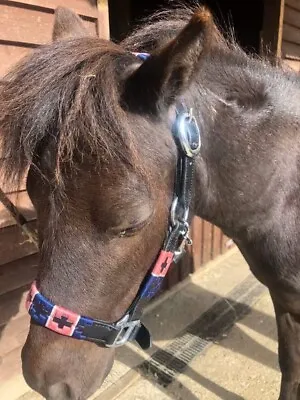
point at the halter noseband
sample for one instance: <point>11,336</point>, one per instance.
<point>43,312</point>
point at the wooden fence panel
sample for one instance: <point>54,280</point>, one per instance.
<point>291,15</point>
<point>83,7</point>
<point>103,19</point>
<point>293,3</point>
<point>208,243</point>
<point>293,64</point>
<point>18,273</point>
<point>271,34</point>
<point>10,55</point>
<point>14,244</point>
<point>25,25</point>
<point>30,26</point>
<point>28,23</point>
<point>22,202</point>
<point>291,31</point>
<point>290,50</point>
<point>10,187</point>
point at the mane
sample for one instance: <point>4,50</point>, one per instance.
<point>67,93</point>
<point>163,26</point>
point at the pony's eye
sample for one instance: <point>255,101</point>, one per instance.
<point>132,230</point>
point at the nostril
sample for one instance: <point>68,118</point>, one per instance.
<point>60,391</point>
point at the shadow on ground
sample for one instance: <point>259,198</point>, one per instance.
<point>264,325</point>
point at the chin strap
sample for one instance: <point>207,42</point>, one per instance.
<point>43,312</point>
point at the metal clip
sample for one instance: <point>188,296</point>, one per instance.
<point>186,131</point>
<point>126,331</point>
<point>174,214</point>
<point>185,240</point>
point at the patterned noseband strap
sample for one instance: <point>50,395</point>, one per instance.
<point>65,322</point>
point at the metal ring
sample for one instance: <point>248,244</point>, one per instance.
<point>182,131</point>
<point>173,213</point>
<point>173,210</point>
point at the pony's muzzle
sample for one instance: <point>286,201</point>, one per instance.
<point>61,368</point>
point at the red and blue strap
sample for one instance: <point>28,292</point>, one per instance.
<point>67,323</point>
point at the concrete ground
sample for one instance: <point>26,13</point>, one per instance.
<point>240,364</point>
<point>214,338</point>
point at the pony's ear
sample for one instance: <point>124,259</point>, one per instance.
<point>169,71</point>
<point>67,24</point>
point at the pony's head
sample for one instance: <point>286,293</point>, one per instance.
<point>92,123</point>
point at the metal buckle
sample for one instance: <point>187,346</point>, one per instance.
<point>187,132</point>
<point>174,213</point>
<point>185,240</point>
<point>180,221</point>
<point>126,330</point>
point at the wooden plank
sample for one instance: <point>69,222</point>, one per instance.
<point>185,266</point>
<point>291,16</point>
<point>227,243</point>
<point>293,3</point>
<point>6,219</point>
<point>291,34</point>
<point>197,242</point>
<point>30,26</point>
<point>18,273</point>
<point>10,55</point>
<point>290,50</point>
<point>295,65</point>
<point>103,19</point>
<point>19,218</point>
<point>217,244</point>
<point>14,244</point>
<point>172,278</point>
<point>9,187</point>
<point>271,36</point>
<point>22,202</point>
<point>83,7</point>
<point>206,242</point>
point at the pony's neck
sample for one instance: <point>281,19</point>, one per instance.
<point>222,124</point>
<point>241,171</point>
